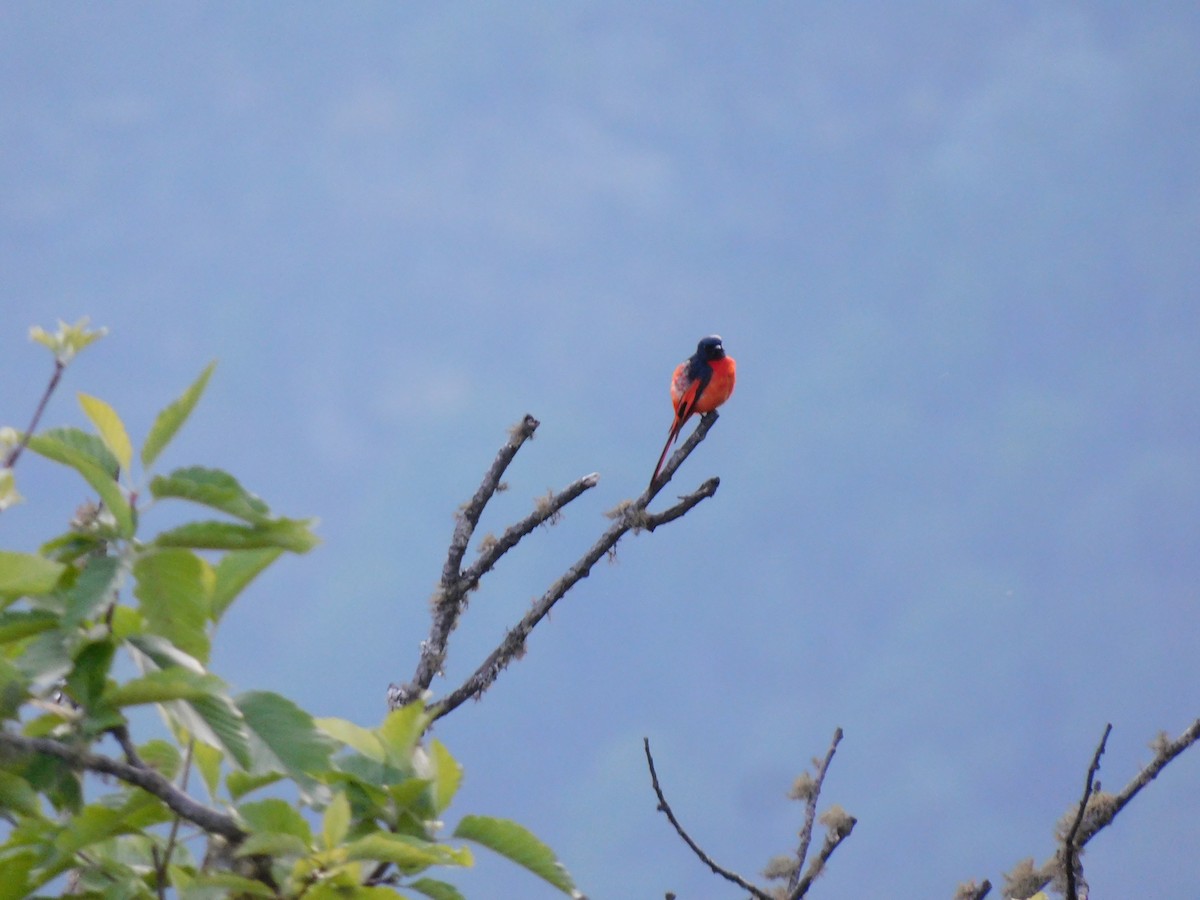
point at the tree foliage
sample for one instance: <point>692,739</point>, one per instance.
<point>106,618</point>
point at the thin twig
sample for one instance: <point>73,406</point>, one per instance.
<point>15,453</point>
<point>665,807</point>
<point>161,867</point>
<point>544,512</point>
<point>1070,852</point>
<point>1102,815</point>
<point>1166,752</point>
<point>833,837</point>
<point>513,643</point>
<point>148,780</point>
<point>810,815</point>
<point>449,603</point>
<point>632,517</point>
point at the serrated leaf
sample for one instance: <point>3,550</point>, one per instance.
<point>438,890</point>
<point>234,572</point>
<point>24,574</point>
<point>286,734</point>
<point>104,483</point>
<point>214,488</point>
<point>173,587</point>
<point>163,686</point>
<point>15,626</point>
<point>171,419</point>
<point>111,428</point>
<point>409,853</point>
<point>361,739</point>
<point>215,721</point>
<point>335,824</point>
<point>285,534</point>
<point>151,652</point>
<point>517,843</point>
<point>82,442</point>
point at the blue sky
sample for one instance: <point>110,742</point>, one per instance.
<point>953,248</point>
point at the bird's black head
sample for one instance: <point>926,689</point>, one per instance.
<point>710,348</point>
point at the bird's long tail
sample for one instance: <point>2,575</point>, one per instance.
<point>674,433</point>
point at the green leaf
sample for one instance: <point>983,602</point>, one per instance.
<point>275,816</point>
<point>45,660</point>
<point>104,483</point>
<point>517,843</point>
<point>173,589</point>
<point>68,339</point>
<point>90,673</point>
<point>92,591</point>
<point>285,736</point>
<point>150,651</point>
<point>409,853</point>
<point>447,775</point>
<point>17,795</point>
<point>17,625</point>
<point>223,884</point>
<point>237,569</point>
<point>208,762</point>
<point>438,890</point>
<point>401,730</point>
<point>287,534</point>
<point>335,824</point>
<point>83,443</point>
<point>361,739</point>
<point>23,574</point>
<point>111,428</point>
<point>211,487</point>
<point>171,419</point>
<point>239,783</point>
<point>162,756</point>
<point>164,685</point>
<point>215,721</point>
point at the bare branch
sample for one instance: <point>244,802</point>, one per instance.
<point>796,882</point>
<point>15,453</point>
<point>513,534</point>
<point>450,600</point>
<point>652,520</point>
<point>665,807</point>
<point>1092,817</point>
<point>630,517</point>
<point>1069,850</point>
<point>838,828</point>
<point>1165,751</point>
<point>147,779</point>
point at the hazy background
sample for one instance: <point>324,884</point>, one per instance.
<point>953,247</point>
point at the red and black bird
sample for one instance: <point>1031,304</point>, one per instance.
<point>699,385</point>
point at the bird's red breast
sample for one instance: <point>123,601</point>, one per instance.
<point>698,385</point>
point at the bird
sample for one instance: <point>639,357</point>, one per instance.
<point>699,384</point>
